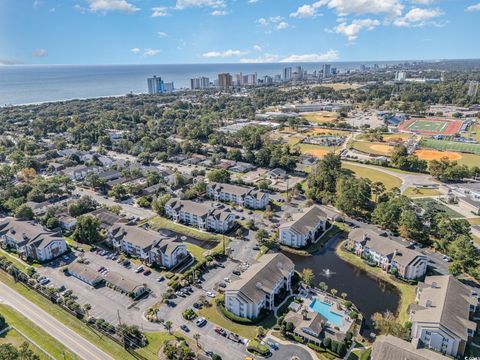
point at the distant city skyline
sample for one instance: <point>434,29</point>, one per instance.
<point>235,31</point>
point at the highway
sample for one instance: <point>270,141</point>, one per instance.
<point>76,343</point>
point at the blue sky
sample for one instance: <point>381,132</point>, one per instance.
<point>214,31</point>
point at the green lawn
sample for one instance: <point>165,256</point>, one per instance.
<point>407,292</point>
<point>314,247</point>
<point>428,125</point>
<point>438,206</point>
<point>159,222</point>
<point>412,192</point>
<point>199,252</point>
<point>67,319</point>
<point>445,145</point>
<point>20,264</point>
<point>35,333</point>
<point>213,314</point>
<point>366,147</point>
<point>388,180</point>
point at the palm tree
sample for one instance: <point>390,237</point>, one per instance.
<point>197,337</point>
<point>334,292</point>
<point>377,189</point>
<point>86,308</point>
<point>323,286</point>
<point>344,295</point>
<point>304,313</point>
<point>168,325</point>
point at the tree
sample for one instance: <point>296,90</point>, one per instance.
<point>219,175</point>
<point>86,229</point>
<point>159,205</point>
<point>334,292</point>
<point>261,235</point>
<point>52,223</point>
<point>24,212</point>
<point>196,337</point>
<point>378,188</point>
<point>354,196</point>
<point>387,325</point>
<point>411,226</point>
<point>82,206</point>
<point>261,332</point>
<point>119,192</point>
<point>168,325</point>
<point>343,295</point>
<point>308,277</point>
<point>322,286</point>
<point>8,352</point>
<point>2,322</point>
<point>131,335</point>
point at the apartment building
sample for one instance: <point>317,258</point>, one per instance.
<point>387,253</point>
<point>31,240</point>
<point>240,195</point>
<point>148,246</point>
<point>257,287</point>
<point>441,315</point>
<point>204,216</point>
<point>305,228</point>
<point>393,348</point>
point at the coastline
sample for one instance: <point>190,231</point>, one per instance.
<point>406,292</point>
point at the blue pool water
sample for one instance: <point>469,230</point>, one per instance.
<point>325,310</point>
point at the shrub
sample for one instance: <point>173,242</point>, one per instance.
<point>255,347</point>
<point>327,342</point>
<point>341,349</point>
<point>298,339</point>
<point>314,347</point>
<point>233,317</point>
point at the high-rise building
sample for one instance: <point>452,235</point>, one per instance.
<point>250,79</point>
<point>400,76</point>
<point>199,83</point>
<point>326,70</point>
<point>155,85</point>
<point>297,73</point>
<point>224,80</point>
<point>287,74</point>
<point>472,88</point>
<point>267,80</point>
<point>168,87</point>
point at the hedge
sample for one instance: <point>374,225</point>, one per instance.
<point>315,347</point>
<point>255,347</point>
<point>233,317</point>
<point>298,339</point>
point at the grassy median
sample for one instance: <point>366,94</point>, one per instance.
<point>95,337</point>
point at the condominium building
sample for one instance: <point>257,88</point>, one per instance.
<point>155,85</point>
<point>304,229</point>
<point>204,216</point>
<point>387,253</point>
<point>225,80</point>
<point>30,240</point>
<point>441,315</point>
<point>242,196</point>
<point>147,245</point>
<point>393,348</point>
<point>287,74</point>
<point>199,83</point>
<point>257,287</point>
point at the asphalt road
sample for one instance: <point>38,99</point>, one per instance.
<point>66,336</point>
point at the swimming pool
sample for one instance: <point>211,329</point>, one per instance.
<point>325,309</point>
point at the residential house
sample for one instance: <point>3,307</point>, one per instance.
<point>304,229</point>
<point>277,174</point>
<point>242,196</point>
<point>80,172</point>
<point>125,285</point>
<point>204,216</point>
<point>393,348</point>
<point>387,253</point>
<point>256,288</point>
<point>31,240</point>
<point>147,245</point>
<point>107,218</point>
<point>441,316</point>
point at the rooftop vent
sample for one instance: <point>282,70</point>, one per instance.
<point>434,285</point>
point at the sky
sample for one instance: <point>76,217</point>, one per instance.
<point>233,31</point>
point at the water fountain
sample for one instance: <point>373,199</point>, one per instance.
<point>327,273</point>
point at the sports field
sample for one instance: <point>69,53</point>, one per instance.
<point>432,126</point>
<point>374,148</point>
<point>319,117</point>
<point>316,150</point>
<point>450,146</point>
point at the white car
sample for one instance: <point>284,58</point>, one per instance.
<point>210,294</point>
<point>200,322</point>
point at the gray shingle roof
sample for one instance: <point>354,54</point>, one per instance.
<point>304,222</point>
<point>393,348</point>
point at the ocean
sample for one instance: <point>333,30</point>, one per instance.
<point>27,84</point>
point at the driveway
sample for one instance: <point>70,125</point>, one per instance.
<point>83,348</point>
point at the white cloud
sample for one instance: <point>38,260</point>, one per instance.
<point>352,30</point>
<point>257,48</point>
<point>252,1</point>
<point>475,7</point>
<point>306,11</point>
<point>282,26</point>
<point>265,58</point>
<point>36,3</point>
<point>162,34</point>
<point>345,7</point>
<point>111,5</point>
<point>159,11</point>
<point>418,17</point>
<point>135,50</point>
<point>224,54</point>
<point>40,53</point>
<point>151,52</point>
<point>183,4</point>
<point>423,2</point>
<point>330,55</point>
<point>219,13</point>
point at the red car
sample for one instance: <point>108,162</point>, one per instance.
<point>147,272</point>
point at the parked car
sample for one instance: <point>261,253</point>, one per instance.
<point>272,344</point>
<point>139,269</point>
<point>179,293</point>
<point>200,321</point>
<point>220,331</point>
<point>161,278</point>
<point>236,272</point>
<point>222,285</point>
<point>147,272</point>
<point>210,294</point>
<point>185,328</point>
<point>197,305</point>
<point>234,337</point>
<point>101,268</point>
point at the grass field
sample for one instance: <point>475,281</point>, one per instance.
<point>430,125</point>
<point>374,175</point>
<point>342,86</point>
<point>159,222</point>
<point>461,158</point>
<point>33,332</point>
<point>474,221</point>
<point>445,145</point>
<point>423,203</point>
<point>321,131</point>
<point>419,192</point>
<point>374,148</point>
<point>319,117</point>
<point>316,150</point>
